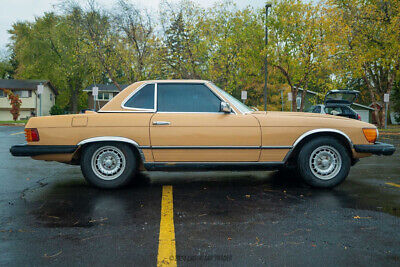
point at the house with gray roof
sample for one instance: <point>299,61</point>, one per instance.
<point>106,92</point>
<point>32,103</point>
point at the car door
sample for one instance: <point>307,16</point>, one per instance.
<point>189,127</point>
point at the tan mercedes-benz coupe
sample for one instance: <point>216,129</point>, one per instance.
<point>194,125</point>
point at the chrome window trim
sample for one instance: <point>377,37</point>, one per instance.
<point>216,91</point>
<point>136,91</point>
<point>191,112</point>
<point>177,112</point>
<point>139,110</point>
<point>207,84</point>
<point>124,111</point>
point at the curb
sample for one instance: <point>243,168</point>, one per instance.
<point>12,124</point>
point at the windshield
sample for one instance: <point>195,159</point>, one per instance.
<point>239,105</point>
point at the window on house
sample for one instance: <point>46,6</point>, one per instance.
<point>51,97</point>
<point>104,96</point>
<point>298,102</point>
<point>2,94</point>
<point>23,93</point>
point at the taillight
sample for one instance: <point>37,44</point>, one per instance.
<point>31,135</point>
<point>358,117</point>
<point>370,134</point>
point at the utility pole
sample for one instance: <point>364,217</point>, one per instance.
<point>265,61</point>
<point>386,100</point>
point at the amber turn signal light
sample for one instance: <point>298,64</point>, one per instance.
<point>370,134</point>
<point>31,135</point>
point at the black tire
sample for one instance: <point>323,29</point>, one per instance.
<point>96,174</point>
<point>324,151</point>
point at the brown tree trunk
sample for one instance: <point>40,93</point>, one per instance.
<point>294,96</point>
<point>383,115</point>
<point>373,100</point>
<point>74,101</point>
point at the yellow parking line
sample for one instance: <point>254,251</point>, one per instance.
<point>166,244</point>
<point>17,133</point>
<point>393,184</point>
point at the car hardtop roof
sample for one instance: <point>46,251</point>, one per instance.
<point>176,81</point>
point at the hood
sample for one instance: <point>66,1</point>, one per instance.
<point>344,97</point>
<point>302,119</point>
<point>305,115</point>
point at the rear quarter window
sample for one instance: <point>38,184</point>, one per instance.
<point>142,99</point>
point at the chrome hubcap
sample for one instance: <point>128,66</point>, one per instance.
<point>108,162</point>
<point>325,162</point>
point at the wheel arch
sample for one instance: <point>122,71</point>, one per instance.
<point>133,144</point>
<point>337,134</point>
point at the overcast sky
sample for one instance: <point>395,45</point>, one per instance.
<point>12,11</point>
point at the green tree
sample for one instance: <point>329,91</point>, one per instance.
<point>297,46</point>
<point>50,48</point>
<point>365,38</point>
<point>185,46</point>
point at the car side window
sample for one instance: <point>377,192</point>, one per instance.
<point>347,111</point>
<point>186,97</point>
<point>143,99</point>
<point>333,111</point>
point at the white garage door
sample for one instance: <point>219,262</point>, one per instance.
<point>364,114</point>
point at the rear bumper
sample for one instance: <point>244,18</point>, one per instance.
<point>25,150</point>
<point>377,149</point>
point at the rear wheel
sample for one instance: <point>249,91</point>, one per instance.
<point>324,162</point>
<point>108,164</point>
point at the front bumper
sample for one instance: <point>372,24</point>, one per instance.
<point>25,150</point>
<point>378,149</point>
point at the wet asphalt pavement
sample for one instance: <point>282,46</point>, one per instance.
<point>50,216</point>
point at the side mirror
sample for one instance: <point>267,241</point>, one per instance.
<point>226,107</point>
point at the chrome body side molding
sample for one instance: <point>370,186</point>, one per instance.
<point>221,147</point>
<point>213,165</point>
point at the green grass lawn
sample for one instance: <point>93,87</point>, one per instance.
<point>391,129</point>
<point>9,122</point>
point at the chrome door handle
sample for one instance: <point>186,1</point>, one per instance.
<point>161,123</point>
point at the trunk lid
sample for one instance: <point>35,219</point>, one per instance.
<point>344,97</point>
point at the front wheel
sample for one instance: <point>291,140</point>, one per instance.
<point>324,162</point>
<point>108,164</point>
